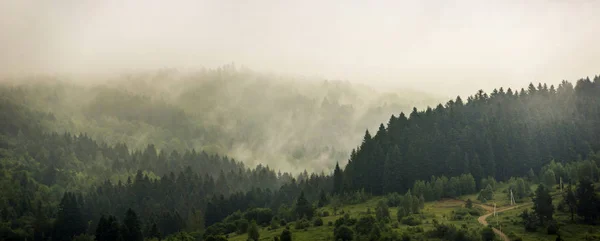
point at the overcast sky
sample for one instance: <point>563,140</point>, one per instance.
<point>438,45</point>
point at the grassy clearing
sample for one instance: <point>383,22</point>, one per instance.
<point>440,210</point>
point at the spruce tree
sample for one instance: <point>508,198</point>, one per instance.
<point>587,201</point>
<point>131,230</point>
<point>69,222</point>
<point>542,204</point>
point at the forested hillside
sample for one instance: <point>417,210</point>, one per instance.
<point>58,185</point>
<point>69,185</point>
<point>286,123</point>
<point>502,134</point>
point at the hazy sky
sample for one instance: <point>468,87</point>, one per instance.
<point>441,45</point>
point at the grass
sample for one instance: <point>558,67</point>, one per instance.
<point>508,221</point>
<point>440,210</point>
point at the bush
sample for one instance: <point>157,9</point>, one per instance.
<point>325,214</point>
<point>274,223</point>
<point>318,222</point>
<point>365,225</point>
<point>487,234</point>
<point>286,235</point>
<point>241,226</point>
<point>216,238</point>
<point>411,220</point>
<point>393,199</point>
<point>302,224</point>
<point>262,216</point>
<point>330,223</point>
<point>552,228</point>
<point>343,233</point>
<point>253,233</point>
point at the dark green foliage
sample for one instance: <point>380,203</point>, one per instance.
<point>382,212</point>
<point>216,238</point>
<point>286,235</point>
<point>552,227</point>
<point>154,233</point>
<point>318,222</point>
<point>486,194</point>
<point>132,230</point>
<point>393,199</point>
<point>322,199</point>
<point>450,232</point>
<point>69,222</point>
<point>241,226</point>
<point>338,179</point>
<point>499,135</point>
<point>542,204</point>
<point>343,233</point>
<point>571,202</point>
<point>375,233</point>
<point>262,216</point>
<point>487,234</point>
<point>588,202</point>
<point>253,233</point>
<point>412,220</point>
<point>530,220</point>
<point>303,207</point>
<point>301,224</point>
<point>400,214</point>
<point>462,213</point>
<point>365,224</point>
<point>469,203</point>
<point>108,229</point>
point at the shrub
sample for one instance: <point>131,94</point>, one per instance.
<point>393,199</point>
<point>302,224</point>
<point>343,233</point>
<point>286,235</point>
<point>318,222</point>
<point>552,228</point>
<point>274,223</point>
<point>262,216</point>
<point>325,214</point>
<point>411,220</point>
<point>330,223</point>
<point>365,225</point>
<point>241,226</point>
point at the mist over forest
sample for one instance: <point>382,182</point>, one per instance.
<point>268,120</point>
<point>290,124</point>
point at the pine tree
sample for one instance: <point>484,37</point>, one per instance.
<point>571,202</point>
<point>542,204</point>
<point>338,179</point>
<point>322,199</point>
<point>303,207</point>
<point>253,233</point>
<point>69,222</point>
<point>154,233</point>
<point>131,227</point>
<point>587,201</point>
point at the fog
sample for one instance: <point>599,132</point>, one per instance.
<point>448,47</point>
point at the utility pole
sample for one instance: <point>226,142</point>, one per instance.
<point>512,198</point>
<point>561,184</point>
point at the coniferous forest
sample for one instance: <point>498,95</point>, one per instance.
<point>58,182</point>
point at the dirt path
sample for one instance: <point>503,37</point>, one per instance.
<point>482,219</point>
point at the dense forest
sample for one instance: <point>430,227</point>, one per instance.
<point>287,123</point>
<point>60,180</point>
<point>502,134</point>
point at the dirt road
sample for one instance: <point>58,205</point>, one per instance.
<point>482,219</point>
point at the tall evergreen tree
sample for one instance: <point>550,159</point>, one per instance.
<point>542,204</point>
<point>131,227</point>
<point>69,222</point>
<point>587,201</point>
